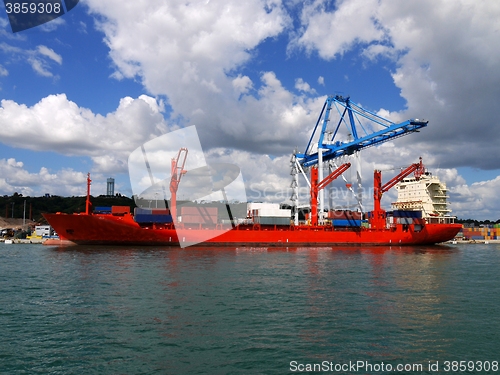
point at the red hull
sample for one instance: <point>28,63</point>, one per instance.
<point>123,230</point>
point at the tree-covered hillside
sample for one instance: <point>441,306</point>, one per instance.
<point>14,206</point>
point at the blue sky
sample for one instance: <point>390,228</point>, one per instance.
<point>80,93</point>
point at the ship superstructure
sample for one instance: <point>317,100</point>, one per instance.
<point>424,193</point>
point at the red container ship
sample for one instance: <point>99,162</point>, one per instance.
<point>272,226</point>
<point>99,229</point>
<point>117,226</point>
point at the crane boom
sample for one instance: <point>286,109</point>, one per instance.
<point>418,168</point>
<point>361,138</point>
<point>177,171</point>
<point>378,215</point>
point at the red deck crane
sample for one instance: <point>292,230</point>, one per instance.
<point>378,215</point>
<point>317,186</point>
<point>177,171</point>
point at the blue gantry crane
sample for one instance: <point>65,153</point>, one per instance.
<point>364,129</point>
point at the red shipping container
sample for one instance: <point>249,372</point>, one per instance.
<point>199,211</point>
<point>344,215</point>
<point>117,210</point>
<point>157,211</point>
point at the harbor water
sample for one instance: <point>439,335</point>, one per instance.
<point>114,310</point>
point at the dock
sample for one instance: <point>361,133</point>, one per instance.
<point>25,240</point>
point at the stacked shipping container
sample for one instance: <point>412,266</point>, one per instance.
<point>269,214</point>
<point>345,218</point>
<point>482,233</point>
<point>151,215</point>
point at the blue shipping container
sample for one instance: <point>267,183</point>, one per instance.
<point>102,209</point>
<point>479,238</point>
<point>143,218</point>
<point>346,223</point>
<point>407,213</point>
<point>143,211</point>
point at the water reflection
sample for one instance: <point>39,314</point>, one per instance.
<point>371,293</point>
<point>378,301</point>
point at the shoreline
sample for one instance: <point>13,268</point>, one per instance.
<point>468,242</point>
<point>452,242</point>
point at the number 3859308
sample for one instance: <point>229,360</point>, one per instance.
<point>32,8</point>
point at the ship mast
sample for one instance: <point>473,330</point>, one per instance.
<point>87,202</point>
<point>177,172</point>
<point>317,187</point>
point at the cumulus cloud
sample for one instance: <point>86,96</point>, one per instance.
<point>62,182</point>
<point>62,126</point>
<point>301,85</point>
<point>190,52</point>
<point>451,77</point>
<point>479,200</point>
<point>333,32</point>
<point>242,84</point>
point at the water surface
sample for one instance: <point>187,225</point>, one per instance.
<point>114,310</point>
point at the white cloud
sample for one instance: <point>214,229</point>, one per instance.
<point>332,33</point>
<point>191,52</point>
<point>58,124</point>
<point>15,178</point>
<point>52,25</point>
<point>40,67</point>
<point>373,51</point>
<point>301,85</point>
<point>450,76</point>
<point>242,84</point>
<point>46,51</point>
<point>40,58</point>
<point>179,42</point>
<point>477,201</point>
<point>82,27</point>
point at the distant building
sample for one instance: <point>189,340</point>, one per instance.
<point>110,191</point>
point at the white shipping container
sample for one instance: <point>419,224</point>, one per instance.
<point>276,212</point>
<point>43,230</point>
<point>256,206</point>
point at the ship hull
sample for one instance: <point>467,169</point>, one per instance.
<point>82,229</point>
